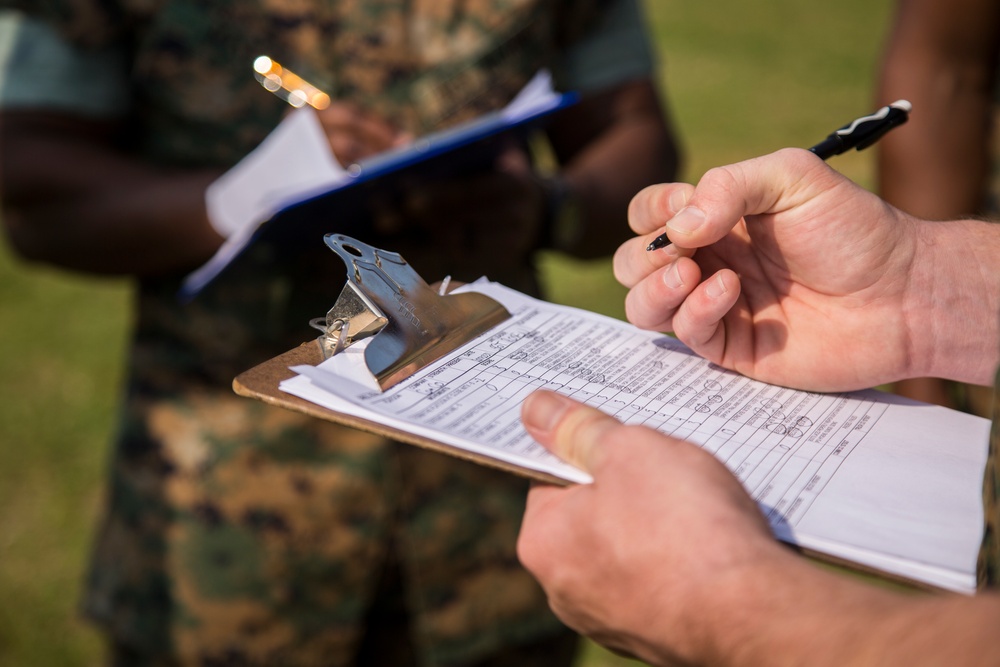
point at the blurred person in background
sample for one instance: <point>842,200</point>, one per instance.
<point>236,533</point>
<point>943,164</point>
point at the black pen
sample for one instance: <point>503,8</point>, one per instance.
<point>858,134</point>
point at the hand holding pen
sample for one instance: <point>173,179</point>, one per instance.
<point>354,134</point>
<point>785,271</point>
<point>858,134</point>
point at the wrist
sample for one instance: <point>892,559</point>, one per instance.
<point>789,611</point>
<point>745,603</point>
<point>954,301</point>
<point>719,619</point>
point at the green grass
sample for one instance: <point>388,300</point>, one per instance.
<point>742,79</point>
<point>62,339</point>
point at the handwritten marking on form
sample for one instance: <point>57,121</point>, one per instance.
<point>781,446</point>
<point>803,456</point>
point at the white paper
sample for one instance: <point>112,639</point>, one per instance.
<point>866,476</point>
<point>537,96</point>
<point>294,163</point>
<point>293,160</point>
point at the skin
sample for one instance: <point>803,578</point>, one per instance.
<point>755,282</point>
<point>73,199</point>
<point>942,56</point>
<point>665,557</point>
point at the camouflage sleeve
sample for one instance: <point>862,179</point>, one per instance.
<point>616,50</point>
<point>39,69</point>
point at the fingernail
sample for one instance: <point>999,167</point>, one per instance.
<point>543,410</point>
<point>678,200</point>
<point>715,287</point>
<point>672,277</point>
<point>687,220</point>
<point>669,250</point>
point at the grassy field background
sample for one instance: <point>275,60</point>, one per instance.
<point>741,78</point>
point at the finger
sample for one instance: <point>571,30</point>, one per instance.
<point>724,195</point>
<point>652,302</point>
<point>346,148</point>
<point>572,431</point>
<point>632,262</point>
<point>656,204</point>
<point>543,529</point>
<point>354,134</point>
<point>699,320</point>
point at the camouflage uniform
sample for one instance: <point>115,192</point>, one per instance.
<point>242,534</point>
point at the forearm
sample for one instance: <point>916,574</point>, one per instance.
<point>635,147</point>
<point>71,200</point>
<point>952,301</point>
<point>789,612</point>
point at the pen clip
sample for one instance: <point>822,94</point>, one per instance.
<point>869,129</point>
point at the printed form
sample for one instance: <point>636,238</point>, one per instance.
<point>866,476</point>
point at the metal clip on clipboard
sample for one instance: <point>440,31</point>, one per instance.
<point>412,324</point>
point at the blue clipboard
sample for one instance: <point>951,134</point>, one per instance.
<point>346,209</point>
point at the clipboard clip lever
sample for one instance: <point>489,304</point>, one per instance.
<point>411,323</point>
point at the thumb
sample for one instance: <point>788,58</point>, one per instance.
<point>571,430</point>
<point>761,185</point>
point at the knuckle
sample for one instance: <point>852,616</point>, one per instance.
<point>721,179</point>
<point>581,430</point>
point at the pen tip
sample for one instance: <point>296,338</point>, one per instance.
<point>660,241</point>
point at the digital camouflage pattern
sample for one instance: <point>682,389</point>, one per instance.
<point>242,534</point>
<point>249,535</point>
<point>421,64</point>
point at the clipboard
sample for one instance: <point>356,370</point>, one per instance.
<point>882,532</point>
<point>425,325</point>
<point>262,382</point>
<point>470,147</point>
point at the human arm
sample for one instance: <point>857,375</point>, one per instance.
<point>611,146</point>
<point>608,146</point>
<point>665,557</point>
<point>783,270</point>
<point>73,199</point>
<point>942,57</point>
<point>71,195</point>
<point>70,199</point>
